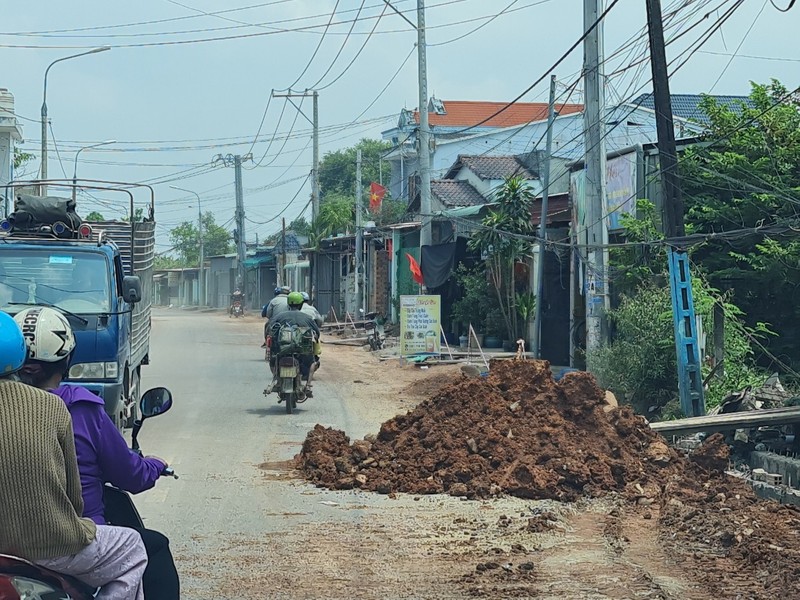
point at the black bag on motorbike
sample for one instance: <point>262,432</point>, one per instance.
<point>32,212</point>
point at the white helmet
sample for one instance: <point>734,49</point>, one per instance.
<point>47,333</point>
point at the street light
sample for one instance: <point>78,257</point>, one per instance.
<point>75,169</point>
<point>200,275</point>
<point>43,168</point>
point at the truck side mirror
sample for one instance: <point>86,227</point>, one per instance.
<point>131,289</point>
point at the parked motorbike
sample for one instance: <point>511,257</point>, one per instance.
<point>22,580</point>
<point>236,309</point>
<point>373,327</point>
<point>288,348</point>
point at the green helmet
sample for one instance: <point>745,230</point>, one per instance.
<point>295,299</point>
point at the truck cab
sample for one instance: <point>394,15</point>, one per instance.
<point>89,272</point>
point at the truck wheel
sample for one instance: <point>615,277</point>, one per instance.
<point>134,392</point>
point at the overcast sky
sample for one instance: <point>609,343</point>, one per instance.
<point>173,106</point>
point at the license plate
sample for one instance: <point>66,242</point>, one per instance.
<point>288,372</point>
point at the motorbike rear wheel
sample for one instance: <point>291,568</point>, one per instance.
<point>289,402</point>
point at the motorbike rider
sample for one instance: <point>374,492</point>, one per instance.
<point>237,295</point>
<point>41,503</point>
<point>275,307</point>
<point>295,316</point>
<point>103,454</point>
<point>310,309</point>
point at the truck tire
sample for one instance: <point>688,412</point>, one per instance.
<point>134,393</point>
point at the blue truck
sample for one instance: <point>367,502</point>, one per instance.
<point>98,274</point>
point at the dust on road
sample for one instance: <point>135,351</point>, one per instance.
<point>689,533</point>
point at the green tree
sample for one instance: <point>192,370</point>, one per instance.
<point>167,262</point>
<point>21,161</point>
<point>138,215</point>
<point>511,214</point>
<point>748,176</point>
<point>95,216</point>
<point>300,226</point>
<point>186,242</point>
<point>337,170</point>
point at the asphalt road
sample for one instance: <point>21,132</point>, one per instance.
<point>243,526</point>
<point>235,503</point>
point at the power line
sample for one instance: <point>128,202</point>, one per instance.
<point>550,70</point>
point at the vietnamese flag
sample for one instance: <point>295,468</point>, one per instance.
<point>416,272</point>
<point>376,194</point>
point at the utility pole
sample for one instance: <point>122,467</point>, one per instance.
<point>283,252</point>
<point>315,125</point>
<point>537,322</point>
<point>424,153</point>
<point>595,171</point>
<point>667,152</point>
<point>359,234</point>
<point>201,280</point>
<point>690,378</point>
<point>241,245</point>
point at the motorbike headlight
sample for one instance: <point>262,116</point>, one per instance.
<point>94,370</point>
<point>30,589</point>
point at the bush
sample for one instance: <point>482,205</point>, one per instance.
<point>640,364</point>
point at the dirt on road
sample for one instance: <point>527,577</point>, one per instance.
<point>634,520</point>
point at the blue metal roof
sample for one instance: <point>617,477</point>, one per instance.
<point>687,106</point>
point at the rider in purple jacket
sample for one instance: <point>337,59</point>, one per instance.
<point>103,454</point>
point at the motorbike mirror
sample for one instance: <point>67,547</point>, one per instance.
<point>155,401</point>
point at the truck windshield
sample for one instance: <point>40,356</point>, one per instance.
<point>75,281</point>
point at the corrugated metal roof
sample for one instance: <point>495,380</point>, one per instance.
<point>466,113</point>
<point>687,106</point>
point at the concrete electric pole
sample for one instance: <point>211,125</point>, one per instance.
<point>236,161</point>
<point>359,235</point>
<point>597,301</point>
<point>424,152</point>
<point>537,321</point>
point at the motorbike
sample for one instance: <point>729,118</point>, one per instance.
<point>236,309</point>
<point>373,327</point>
<point>287,348</point>
<point>21,579</point>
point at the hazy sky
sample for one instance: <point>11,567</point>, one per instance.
<point>173,106</point>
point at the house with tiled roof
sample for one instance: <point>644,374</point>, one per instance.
<point>478,129</point>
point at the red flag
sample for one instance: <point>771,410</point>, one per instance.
<point>416,272</point>
<point>376,194</point>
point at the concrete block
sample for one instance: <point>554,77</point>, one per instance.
<point>774,479</point>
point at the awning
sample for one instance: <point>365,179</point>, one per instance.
<point>301,264</point>
<point>257,261</point>
<point>464,211</point>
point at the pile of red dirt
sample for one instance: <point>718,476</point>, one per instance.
<point>516,432</point>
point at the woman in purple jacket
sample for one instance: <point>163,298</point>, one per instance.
<point>103,454</point>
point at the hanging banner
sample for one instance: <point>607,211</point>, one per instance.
<point>420,324</point>
<point>620,189</point>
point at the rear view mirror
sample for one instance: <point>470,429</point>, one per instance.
<point>155,401</point>
<point>131,289</point>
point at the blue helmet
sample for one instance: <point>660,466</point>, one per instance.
<point>305,296</point>
<point>12,346</point>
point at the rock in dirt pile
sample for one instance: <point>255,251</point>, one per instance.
<point>516,432</point>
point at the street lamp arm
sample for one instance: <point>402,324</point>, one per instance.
<point>63,58</point>
<point>77,154</point>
